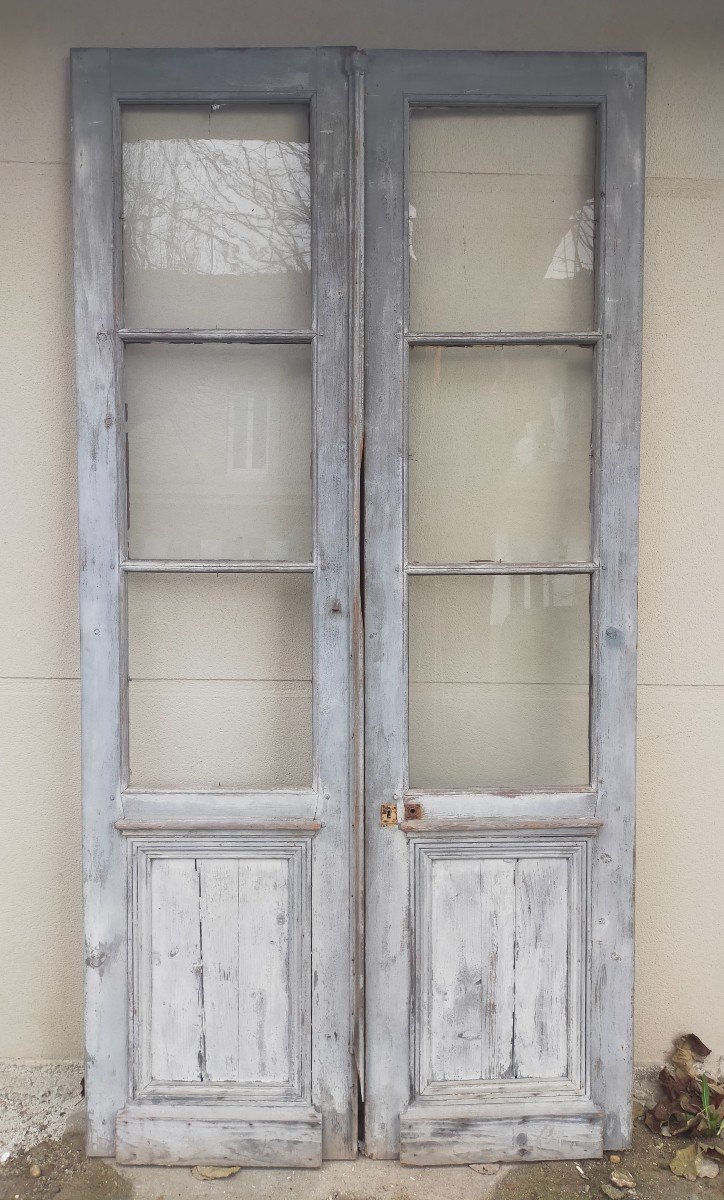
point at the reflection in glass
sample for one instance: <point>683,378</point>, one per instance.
<point>219,451</point>
<point>216,217</point>
<point>501,218</point>
<point>220,680</point>
<point>499,454</point>
<point>499,681</point>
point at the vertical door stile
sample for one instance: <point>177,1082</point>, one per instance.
<point>386,887</point>
<point>334,1088</point>
<point>356,71</point>
<point>612,966</point>
<point>104,870</point>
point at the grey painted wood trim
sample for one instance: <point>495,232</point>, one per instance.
<point>503,339</point>
<point>213,825</point>
<point>492,806</point>
<point>615,629</point>
<point>356,68</point>
<point>101,599</point>
<point>490,825</point>
<point>433,1135</point>
<point>167,76</point>
<point>216,566</point>
<point>502,568</point>
<point>334,1088</point>
<point>612,85</point>
<point>252,337</point>
<point>248,1136</point>
<point>387,902</point>
<point>218,805</point>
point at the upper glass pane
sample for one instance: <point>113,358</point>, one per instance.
<point>219,451</point>
<point>501,220</point>
<point>216,217</point>
<point>499,454</point>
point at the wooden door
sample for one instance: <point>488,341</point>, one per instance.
<point>219,278</point>
<point>504,241</point>
<point>217,583</point>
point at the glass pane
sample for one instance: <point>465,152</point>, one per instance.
<point>216,220</point>
<point>501,220</point>
<point>219,451</point>
<point>499,454</point>
<point>220,680</point>
<point>499,670</point>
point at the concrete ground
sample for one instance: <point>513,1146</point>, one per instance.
<point>359,1180</point>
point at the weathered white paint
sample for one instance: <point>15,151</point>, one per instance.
<point>432,1134</point>
<point>500,963</point>
<point>248,1137</point>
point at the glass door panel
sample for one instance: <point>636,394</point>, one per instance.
<point>219,451</point>
<point>499,670</point>
<point>216,217</point>
<point>501,219</point>
<point>499,454</point>
<point>220,681</point>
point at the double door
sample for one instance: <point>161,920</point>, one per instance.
<point>358,354</point>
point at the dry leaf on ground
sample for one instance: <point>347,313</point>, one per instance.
<point>204,1172</point>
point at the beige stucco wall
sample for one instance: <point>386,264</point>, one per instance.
<point>680,948</point>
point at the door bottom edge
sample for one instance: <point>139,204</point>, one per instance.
<point>436,1136</point>
<point>249,1136</point>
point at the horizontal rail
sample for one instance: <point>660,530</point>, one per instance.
<point>214,566</point>
<point>163,808</point>
<point>502,568</point>
<point>213,825</point>
<point>553,825</point>
<point>504,339</point>
<point>546,804</point>
<point>245,336</point>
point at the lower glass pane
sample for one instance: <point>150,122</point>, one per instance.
<point>220,680</point>
<point>499,681</point>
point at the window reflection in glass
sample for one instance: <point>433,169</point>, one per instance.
<point>501,220</point>
<point>216,217</point>
<point>219,451</point>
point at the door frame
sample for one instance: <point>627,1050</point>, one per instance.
<point>613,86</point>
<point>312,825</point>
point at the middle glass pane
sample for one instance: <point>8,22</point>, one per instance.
<point>220,451</point>
<point>499,454</point>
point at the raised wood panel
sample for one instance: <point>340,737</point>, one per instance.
<point>468,1015</point>
<point>221,980</point>
<point>542,965</point>
<point>500,929</point>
